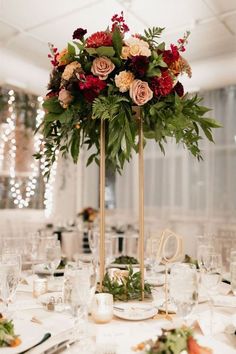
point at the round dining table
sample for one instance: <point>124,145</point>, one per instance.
<point>34,318</point>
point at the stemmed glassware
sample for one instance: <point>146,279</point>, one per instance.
<point>211,275</point>
<point>53,256</point>
<point>183,288</point>
<point>10,270</point>
<point>93,238</point>
<point>83,286</point>
<point>153,254</point>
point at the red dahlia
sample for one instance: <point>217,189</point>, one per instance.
<point>172,55</point>
<point>99,39</point>
<point>161,86</point>
<point>139,65</point>
<point>91,86</point>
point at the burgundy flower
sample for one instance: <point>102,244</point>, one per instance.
<point>119,22</point>
<point>161,86</point>
<point>179,89</point>
<point>139,65</point>
<point>99,39</point>
<point>91,86</point>
<point>172,55</point>
<point>79,33</point>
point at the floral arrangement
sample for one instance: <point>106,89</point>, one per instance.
<point>88,214</point>
<point>102,77</point>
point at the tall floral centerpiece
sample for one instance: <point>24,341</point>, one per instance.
<point>111,91</point>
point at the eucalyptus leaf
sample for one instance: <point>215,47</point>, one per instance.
<point>105,51</point>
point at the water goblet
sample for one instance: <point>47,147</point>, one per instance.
<point>83,281</point>
<point>183,289</point>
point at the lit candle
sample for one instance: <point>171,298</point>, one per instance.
<point>40,287</point>
<point>102,308</point>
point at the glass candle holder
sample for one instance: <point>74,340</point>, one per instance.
<point>40,287</point>
<point>102,308</point>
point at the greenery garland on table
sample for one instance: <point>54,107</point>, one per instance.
<point>103,77</point>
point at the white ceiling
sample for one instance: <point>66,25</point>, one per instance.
<point>26,26</point>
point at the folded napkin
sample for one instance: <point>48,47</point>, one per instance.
<point>225,301</point>
<point>219,322</point>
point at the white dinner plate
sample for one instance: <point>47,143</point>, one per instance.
<point>122,266</point>
<point>156,280</point>
<point>41,269</point>
<point>216,346</point>
<point>30,334</point>
<point>134,311</point>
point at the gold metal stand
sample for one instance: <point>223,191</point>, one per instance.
<point>141,202</point>
<point>102,203</point>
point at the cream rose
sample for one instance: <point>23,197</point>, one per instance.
<point>70,69</point>
<point>140,92</point>
<point>145,51</point>
<point>102,67</point>
<point>65,98</point>
<point>125,52</point>
<point>123,80</point>
<point>134,50</point>
<point>137,47</point>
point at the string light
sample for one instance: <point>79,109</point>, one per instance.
<point>49,185</point>
<point>9,136</point>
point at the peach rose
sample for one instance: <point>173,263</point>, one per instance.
<point>60,56</point>
<point>140,92</point>
<point>102,67</point>
<point>65,98</point>
<point>70,69</point>
<point>123,80</point>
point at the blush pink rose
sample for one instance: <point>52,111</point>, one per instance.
<point>102,67</point>
<point>65,98</point>
<point>140,92</point>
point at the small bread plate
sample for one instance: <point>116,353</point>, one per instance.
<point>134,311</point>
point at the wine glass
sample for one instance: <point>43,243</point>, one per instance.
<point>53,256</point>
<point>93,242</point>
<point>183,288</point>
<point>10,270</point>
<point>211,275</point>
<point>153,253</point>
<point>202,250</point>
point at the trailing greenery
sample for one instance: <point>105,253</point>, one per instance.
<point>127,287</point>
<point>67,130</point>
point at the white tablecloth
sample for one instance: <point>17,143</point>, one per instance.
<point>120,334</point>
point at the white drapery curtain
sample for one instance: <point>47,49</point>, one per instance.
<point>177,187</point>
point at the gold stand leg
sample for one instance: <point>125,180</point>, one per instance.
<point>141,203</point>
<point>102,203</point>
